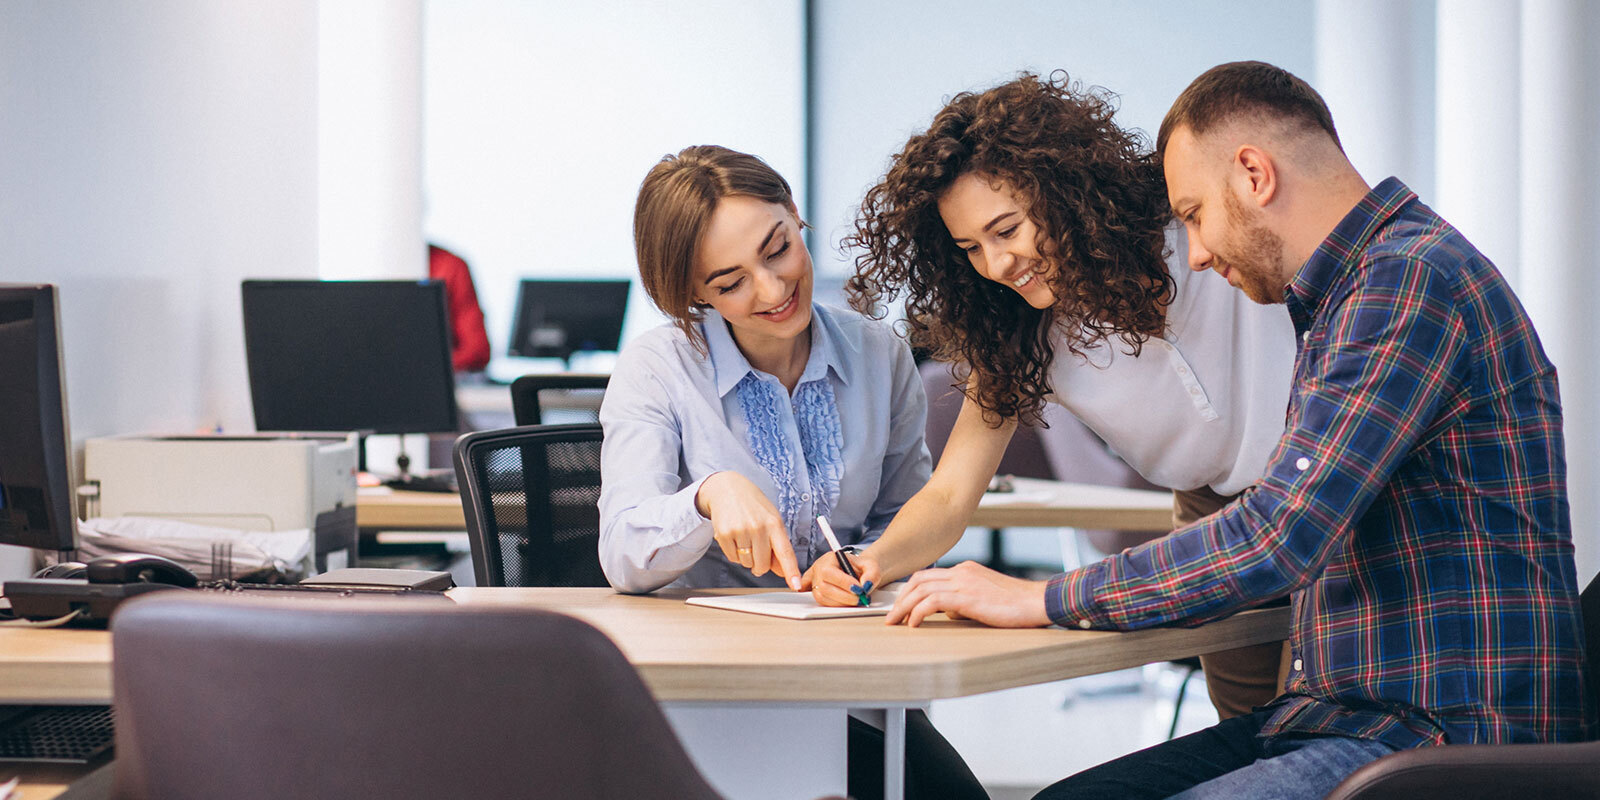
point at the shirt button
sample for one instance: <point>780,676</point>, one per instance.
<point>1183,370</point>
<point>1302,464</point>
<point>1297,664</point>
<point>1305,336</point>
<point>807,497</point>
<point>1084,624</point>
<point>1193,390</point>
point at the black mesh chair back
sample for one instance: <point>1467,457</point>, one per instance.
<point>576,396</point>
<point>531,496</point>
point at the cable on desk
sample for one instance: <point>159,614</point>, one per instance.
<point>43,623</point>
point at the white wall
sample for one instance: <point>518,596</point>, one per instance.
<point>155,154</point>
<point>369,123</point>
<point>542,119</point>
<point>875,89</point>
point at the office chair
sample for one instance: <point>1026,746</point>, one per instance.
<point>267,698</point>
<point>527,409</point>
<point>530,496</point>
<point>1484,771</point>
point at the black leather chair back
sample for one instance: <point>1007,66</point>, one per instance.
<point>268,698</point>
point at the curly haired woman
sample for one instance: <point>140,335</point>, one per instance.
<point>1032,238</point>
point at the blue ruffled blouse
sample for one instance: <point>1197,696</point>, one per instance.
<point>848,444</point>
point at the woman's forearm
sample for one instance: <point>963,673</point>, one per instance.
<point>928,525</point>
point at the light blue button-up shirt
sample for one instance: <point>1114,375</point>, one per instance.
<point>673,416</point>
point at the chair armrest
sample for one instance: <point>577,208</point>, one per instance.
<point>1465,772</point>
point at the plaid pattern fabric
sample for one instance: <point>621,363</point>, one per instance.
<point>1416,506</point>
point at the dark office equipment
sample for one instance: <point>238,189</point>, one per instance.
<point>370,356</point>
<point>555,319</point>
<point>531,499</point>
<point>36,507</point>
<point>106,583</point>
<point>517,702</point>
<point>55,734</point>
<point>138,568</point>
<point>1484,771</point>
<point>528,409</point>
<point>394,579</point>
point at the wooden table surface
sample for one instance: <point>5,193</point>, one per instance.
<point>1034,503</point>
<point>690,653</point>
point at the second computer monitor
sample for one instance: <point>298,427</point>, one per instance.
<point>555,319</point>
<point>35,448</point>
<point>349,355</point>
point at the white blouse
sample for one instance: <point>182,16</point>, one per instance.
<point>1203,405</point>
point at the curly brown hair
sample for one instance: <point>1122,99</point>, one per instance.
<point>1097,197</point>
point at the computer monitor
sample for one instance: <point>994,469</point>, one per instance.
<point>36,506</point>
<point>555,319</point>
<point>370,356</point>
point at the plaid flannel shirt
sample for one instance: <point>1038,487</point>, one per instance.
<point>1416,506</point>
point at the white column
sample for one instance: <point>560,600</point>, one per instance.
<point>370,139</point>
<point>1559,169</point>
<point>1478,85</point>
<point>1379,94</point>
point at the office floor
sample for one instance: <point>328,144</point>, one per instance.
<point>1019,741</point>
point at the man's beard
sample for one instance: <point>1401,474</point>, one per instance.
<point>1257,256</point>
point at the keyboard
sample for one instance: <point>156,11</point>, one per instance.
<point>432,482</point>
<point>56,734</point>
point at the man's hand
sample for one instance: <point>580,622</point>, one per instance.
<point>972,591</point>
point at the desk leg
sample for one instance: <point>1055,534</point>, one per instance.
<point>894,754</point>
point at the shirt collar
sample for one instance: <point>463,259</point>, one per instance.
<point>730,365</point>
<point>1341,251</point>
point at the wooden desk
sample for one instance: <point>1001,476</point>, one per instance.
<point>721,675</point>
<point>1038,503</point>
<point>409,511</point>
<point>1035,503</point>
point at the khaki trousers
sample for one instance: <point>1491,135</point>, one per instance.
<point>1245,677</point>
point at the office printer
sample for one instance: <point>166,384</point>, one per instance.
<point>258,482</point>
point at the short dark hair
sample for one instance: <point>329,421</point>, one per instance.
<point>1227,91</point>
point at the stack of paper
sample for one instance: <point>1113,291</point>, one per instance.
<point>798,605</point>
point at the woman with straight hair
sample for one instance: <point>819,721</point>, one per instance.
<point>730,430</point>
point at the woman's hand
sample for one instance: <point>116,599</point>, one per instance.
<point>830,585</point>
<point>747,526</point>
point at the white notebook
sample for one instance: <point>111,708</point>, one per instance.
<point>798,605</point>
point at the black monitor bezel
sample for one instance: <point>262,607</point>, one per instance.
<point>54,451</point>
<point>437,320</point>
<point>521,320</point>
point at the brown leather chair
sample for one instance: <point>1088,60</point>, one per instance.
<point>1481,772</point>
<point>262,699</point>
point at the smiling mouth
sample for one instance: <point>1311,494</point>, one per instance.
<point>787,306</point>
<point>1027,278</point>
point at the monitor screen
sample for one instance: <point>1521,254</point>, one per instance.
<point>349,356</point>
<point>35,450</point>
<point>555,319</point>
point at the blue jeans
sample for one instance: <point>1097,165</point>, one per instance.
<point>1228,762</point>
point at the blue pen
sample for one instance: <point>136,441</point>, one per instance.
<point>844,563</point>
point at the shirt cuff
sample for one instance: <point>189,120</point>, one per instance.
<point>1069,598</point>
